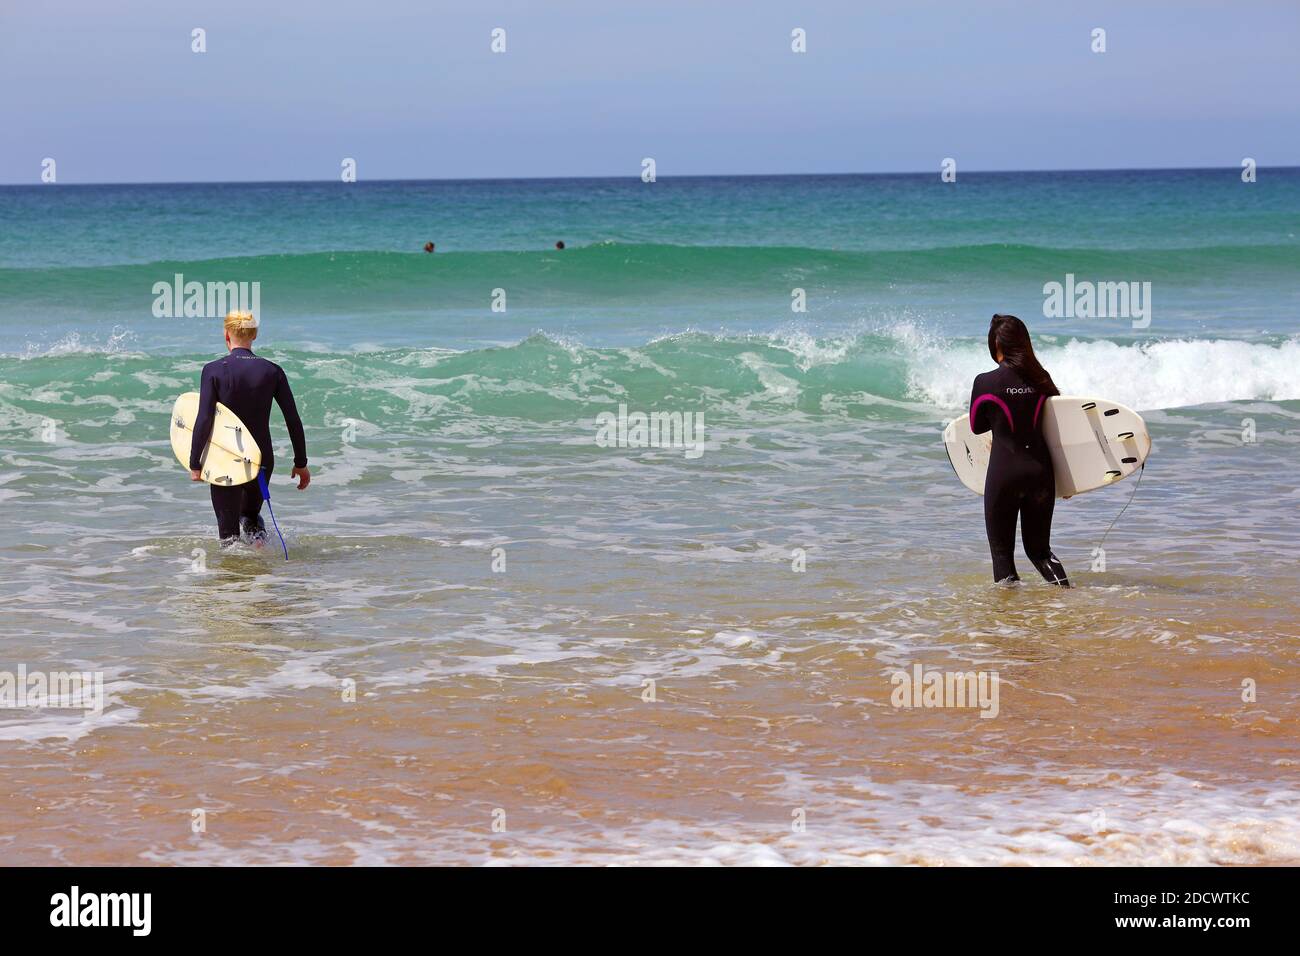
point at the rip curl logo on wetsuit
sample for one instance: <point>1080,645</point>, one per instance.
<point>1027,390</point>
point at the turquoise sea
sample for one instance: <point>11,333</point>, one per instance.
<point>505,592</point>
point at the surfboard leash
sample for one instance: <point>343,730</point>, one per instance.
<point>1136,485</point>
<point>266,493</point>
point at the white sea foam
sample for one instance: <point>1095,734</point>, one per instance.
<point>1142,376</point>
<point>1178,824</point>
<point>116,343</point>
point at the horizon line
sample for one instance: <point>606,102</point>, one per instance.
<point>505,179</point>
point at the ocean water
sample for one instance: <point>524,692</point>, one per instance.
<point>506,594</point>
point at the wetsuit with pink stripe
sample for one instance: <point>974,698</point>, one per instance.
<point>1020,480</point>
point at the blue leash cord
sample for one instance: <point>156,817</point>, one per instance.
<point>266,493</point>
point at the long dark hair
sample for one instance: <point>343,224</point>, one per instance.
<point>1009,334</point>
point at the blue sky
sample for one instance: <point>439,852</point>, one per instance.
<point>411,89</point>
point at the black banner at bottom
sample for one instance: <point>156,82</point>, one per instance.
<point>334,906</point>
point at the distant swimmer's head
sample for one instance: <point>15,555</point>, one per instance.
<point>428,247</point>
<point>560,244</point>
<point>241,329</point>
<point>1009,345</point>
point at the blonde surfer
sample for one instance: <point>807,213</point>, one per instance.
<point>246,384</point>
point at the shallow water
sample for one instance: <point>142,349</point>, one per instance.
<point>1120,736</point>
<point>501,589</point>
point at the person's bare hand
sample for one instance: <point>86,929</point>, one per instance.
<point>196,474</point>
<point>303,476</point>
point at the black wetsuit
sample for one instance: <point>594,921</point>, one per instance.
<point>246,384</point>
<point>1020,478</point>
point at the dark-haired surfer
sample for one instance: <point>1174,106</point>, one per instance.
<point>1020,480</point>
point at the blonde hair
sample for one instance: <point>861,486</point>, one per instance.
<point>241,326</point>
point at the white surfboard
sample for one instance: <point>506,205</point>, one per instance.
<point>231,456</point>
<point>1093,443</point>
